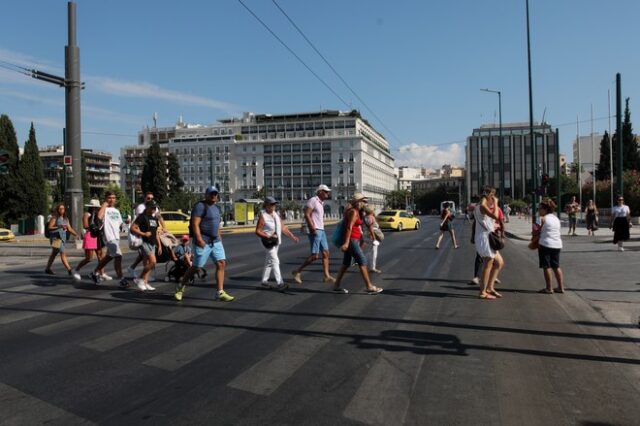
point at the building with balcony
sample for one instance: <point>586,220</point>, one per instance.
<point>97,167</point>
<point>289,155</point>
<point>483,159</point>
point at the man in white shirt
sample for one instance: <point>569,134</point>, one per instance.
<point>112,220</point>
<point>314,217</point>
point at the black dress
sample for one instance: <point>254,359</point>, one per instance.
<point>591,219</point>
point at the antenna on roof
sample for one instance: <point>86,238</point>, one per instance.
<point>155,120</point>
<point>543,114</point>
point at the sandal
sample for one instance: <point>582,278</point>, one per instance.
<point>49,272</point>
<point>559,290</point>
<point>329,280</point>
<point>487,296</point>
<point>495,293</point>
<point>545,291</point>
<point>374,290</point>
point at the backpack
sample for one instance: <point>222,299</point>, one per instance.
<point>206,209</point>
<point>47,231</point>
<point>95,226</point>
<point>338,234</point>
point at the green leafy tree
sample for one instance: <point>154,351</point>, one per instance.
<point>173,174</point>
<point>604,170</point>
<point>431,200</point>
<point>154,173</point>
<point>31,175</point>
<point>630,155</point>
<point>183,201</point>
<point>9,189</point>
<point>398,199</point>
<point>260,194</point>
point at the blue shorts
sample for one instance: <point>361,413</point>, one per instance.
<point>354,252</point>
<point>318,241</point>
<point>214,250</point>
<point>573,220</point>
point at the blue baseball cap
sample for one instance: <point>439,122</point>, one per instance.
<point>211,189</point>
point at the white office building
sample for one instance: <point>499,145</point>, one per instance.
<point>289,155</point>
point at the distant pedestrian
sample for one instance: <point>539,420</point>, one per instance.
<point>591,212</point>
<point>572,208</point>
<point>351,245</point>
<point>314,218</point>
<point>506,209</point>
<point>111,220</point>
<point>493,263</point>
<point>375,238</point>
<point>549,246</point>
<point>91,241</point>
<point>270,229</point>
<point>146,227</point>
<point>58,227</point>
<point>620,223</point>
<point>446,217</point>
<point>207,243</point>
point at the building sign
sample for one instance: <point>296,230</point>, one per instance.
<point>68,160</point>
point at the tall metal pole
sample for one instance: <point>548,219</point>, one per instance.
<point>610,149</point>
<point>501,146</point>
<point>534,176</point>
<point>73,193</point>
<point>593,158</point>
<point>619,132</point>
<point>579,163</point>
<point>558,187</point>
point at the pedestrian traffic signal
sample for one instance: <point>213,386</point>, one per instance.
<point>545,179</point>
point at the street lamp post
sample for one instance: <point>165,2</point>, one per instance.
<point>534,176</point>
<point>500,144</point>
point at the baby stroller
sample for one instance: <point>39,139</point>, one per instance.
<point>179,266</point>
<point>168,242</point>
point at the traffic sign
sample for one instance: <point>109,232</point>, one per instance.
<point>68,160</point>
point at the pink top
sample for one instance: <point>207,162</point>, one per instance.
<point>317,212</point>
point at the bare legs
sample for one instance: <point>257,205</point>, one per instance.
<point>492,267</point>
<point>559,279</point>
<point>453,238</point>
<point>363,272</point>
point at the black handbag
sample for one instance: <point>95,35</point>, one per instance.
<point>270,242</point>
<point>496,241</point>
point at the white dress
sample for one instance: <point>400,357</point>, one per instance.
<point>484,225</point>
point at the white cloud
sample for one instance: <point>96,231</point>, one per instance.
<point>56,123</point>
<point>429,156</point>
<point>150,90</point>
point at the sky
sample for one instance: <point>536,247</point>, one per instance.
<point>413,68</point>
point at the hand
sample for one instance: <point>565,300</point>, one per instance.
<point>200,243</point>
<point>160,250</point>
<point>296,239</point>
<point>344,247</point>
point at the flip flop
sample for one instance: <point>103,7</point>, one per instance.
<point>495,293</point>
<point>545,291</point>
<point>487,296</point>
<point>559,290</point>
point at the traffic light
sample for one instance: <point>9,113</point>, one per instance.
<point>545,179</point>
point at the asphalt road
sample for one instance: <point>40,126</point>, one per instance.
<point>425,351</point>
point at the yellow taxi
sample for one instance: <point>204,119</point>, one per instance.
<point>6,235</point>
<point>176,222</point>
<point>398,220</point>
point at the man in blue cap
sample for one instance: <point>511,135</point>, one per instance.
<point>207,243</point>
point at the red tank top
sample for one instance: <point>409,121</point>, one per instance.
<point>356,230</point>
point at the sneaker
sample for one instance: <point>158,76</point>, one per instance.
<point>282,286</point>
<point>76,276</point>
<point>374,290</point>
<point>124,284</point>
<point>139,282</point>
<point>223,296</point>
<point>265,285</point>
<point>475,281</point>
<point>179,292</point>
<point>498,281</point>
<point>340,290</point>
<point>148,287</point>
<point>105,277</point>
<point>132,272</point>
<point>620,248</point>
<point>296,277</point>
<point>95,278</point>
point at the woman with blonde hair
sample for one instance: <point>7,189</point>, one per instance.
<point>58,227</point>
<point>486,218</point>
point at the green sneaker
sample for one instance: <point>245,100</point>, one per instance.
<point>224,296</point>
<point>179,292</point>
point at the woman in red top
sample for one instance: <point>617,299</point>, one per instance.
<point>351,245</point>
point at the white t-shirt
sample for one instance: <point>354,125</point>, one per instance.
<point>112,222</point>
<point>620,211</point>
<point>550,235</point>
<point>317,212</point>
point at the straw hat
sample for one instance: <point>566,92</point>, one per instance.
<point>93,203</point>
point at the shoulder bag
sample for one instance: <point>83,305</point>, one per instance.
<point>496,240</point>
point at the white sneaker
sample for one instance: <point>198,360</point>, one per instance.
<point>132,272</point>
<point>76,276</point>
<point>476,280</point>
<point>148,287</point>
<point>620,248</point>
<point>105,277</point>
<point>139,282</point>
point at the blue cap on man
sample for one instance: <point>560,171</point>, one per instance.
<point>211,189</point>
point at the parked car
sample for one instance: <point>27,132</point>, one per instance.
<point>6,235</point>
<point>177,223</point>
<point>397,220</point>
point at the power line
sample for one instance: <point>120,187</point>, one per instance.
<point>335,71</point>
<point>293,53</point>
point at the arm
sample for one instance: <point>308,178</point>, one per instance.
<point>484,207</point>
<point>158,242</point>
<point>102,211</point>
<point>307,217</point>
<point>260,228</point>
<point>85,220</point>
<point>370,223</point>
<point>52,224</point>
<point>72,231</point>
<point>288,233</point>
<point>349,224</point>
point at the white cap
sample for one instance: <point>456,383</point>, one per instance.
<point>323,188</point>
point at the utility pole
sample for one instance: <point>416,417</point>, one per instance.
<point>593,158</point>
<point>73,85</point>
<point>619,132</point>
<point>534,175</point>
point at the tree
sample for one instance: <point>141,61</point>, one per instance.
<point>154,173</point>
<point>260,194</point>
<point>398,199</point>
<point>630,155</point>
<point>9,176</point>
<point>604,170</point>
<point>431,200</point>
<point>173,173</point>
<point>31,174</point>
